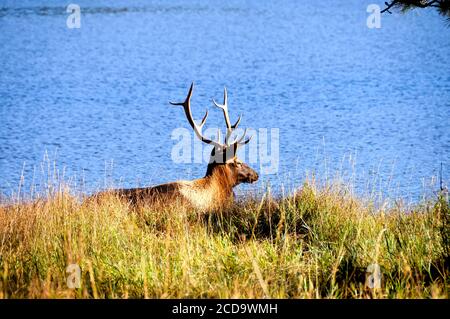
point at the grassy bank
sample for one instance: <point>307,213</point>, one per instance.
<point>315,243</point>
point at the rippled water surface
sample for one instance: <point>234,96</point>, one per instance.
<point>374,103</point>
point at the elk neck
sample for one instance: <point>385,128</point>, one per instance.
<point>221,179</point>
<point>212,191</point>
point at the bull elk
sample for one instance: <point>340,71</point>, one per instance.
<point>223,173</point>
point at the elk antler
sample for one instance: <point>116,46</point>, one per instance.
<point>197,128</point>
<point>230,127</point>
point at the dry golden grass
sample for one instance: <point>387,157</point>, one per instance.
<point>315,243</point>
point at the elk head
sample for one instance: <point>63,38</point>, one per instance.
<point>223,160</point>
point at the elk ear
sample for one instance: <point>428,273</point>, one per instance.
<point>215,155</point>
<point>218,155</point>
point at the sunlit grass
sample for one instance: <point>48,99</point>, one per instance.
<point>316,242</point>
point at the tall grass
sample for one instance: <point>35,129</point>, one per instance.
<point>316,242</point>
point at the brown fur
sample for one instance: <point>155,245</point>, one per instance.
<point>211,192</point>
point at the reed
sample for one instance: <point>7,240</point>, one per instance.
<point>316,242</point>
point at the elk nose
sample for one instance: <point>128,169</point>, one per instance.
<point>255,177</point>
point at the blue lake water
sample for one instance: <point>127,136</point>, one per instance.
<point>370,103</point>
